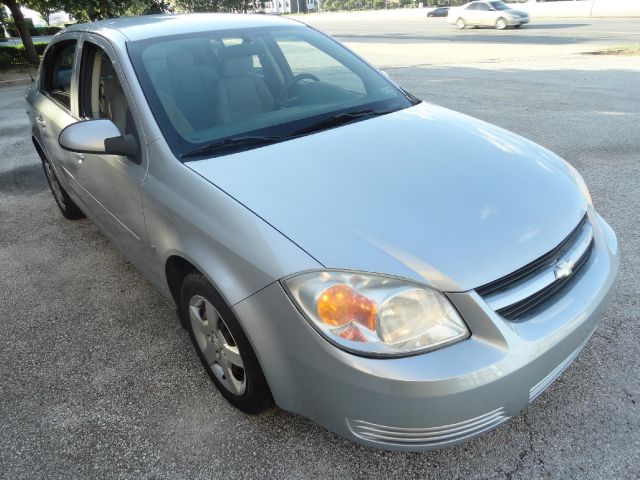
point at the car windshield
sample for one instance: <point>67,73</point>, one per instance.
<point>499,6</point>
<point>240,89</point>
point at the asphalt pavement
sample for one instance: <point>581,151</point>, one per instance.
<point>98,380</point>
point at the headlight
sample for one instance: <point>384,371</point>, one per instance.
<point>580,181</point>
<point>375,314</point>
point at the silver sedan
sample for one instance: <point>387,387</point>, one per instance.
<point>404,275</point>
<point>487,13</point>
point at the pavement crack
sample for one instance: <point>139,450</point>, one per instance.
<point>529,451</point>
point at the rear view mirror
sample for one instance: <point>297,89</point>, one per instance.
<point>97,136</point>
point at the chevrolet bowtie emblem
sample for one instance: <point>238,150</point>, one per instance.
<point>563,269</point>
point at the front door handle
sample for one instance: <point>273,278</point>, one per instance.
<point>78,156</point>
<point>40,121</point>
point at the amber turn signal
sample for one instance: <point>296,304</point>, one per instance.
<point>340,304</point>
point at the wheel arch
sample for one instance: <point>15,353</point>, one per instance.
<point>176,268</point>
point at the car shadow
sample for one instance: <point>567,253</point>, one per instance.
<point>553,26</point>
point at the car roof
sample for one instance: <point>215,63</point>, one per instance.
<point>149,26</point>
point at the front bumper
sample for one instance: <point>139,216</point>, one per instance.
<point>513,21</point>
<point>439,398</point>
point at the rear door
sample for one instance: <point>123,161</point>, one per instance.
<point>55,106</point>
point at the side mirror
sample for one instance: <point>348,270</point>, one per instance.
<point>97,136</point>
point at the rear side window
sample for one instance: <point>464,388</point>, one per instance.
<point>58,71</point>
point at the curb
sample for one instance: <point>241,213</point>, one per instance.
<point>15,82</point>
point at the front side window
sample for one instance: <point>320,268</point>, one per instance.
<point>210,87</point>
<point>101,93</point>
<point>499,6</point>
<point>58,70</point>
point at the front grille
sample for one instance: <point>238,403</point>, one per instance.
<point>534,286</point>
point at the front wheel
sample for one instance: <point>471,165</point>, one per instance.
<point>222,346</point>
<point>460,23</point>
<point>501,24</point>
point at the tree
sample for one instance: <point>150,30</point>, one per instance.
<point>18,18</point>
<point>198,5</point>
<point>43,7</point>
<point>92,10</point>
<point>217,5</point>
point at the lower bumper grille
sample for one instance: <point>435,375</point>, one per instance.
<point>426,437</point>
<point>543,384</point>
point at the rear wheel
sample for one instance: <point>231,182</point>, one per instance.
<point>460,23</point>
<point>222,346</point>
<point>67,206</point>
<point>501,24</point>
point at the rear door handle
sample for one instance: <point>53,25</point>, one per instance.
<point>78,156</point>
<point>40,121</point>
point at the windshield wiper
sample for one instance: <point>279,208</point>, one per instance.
<point>341,119</point>
<point>232,143</point>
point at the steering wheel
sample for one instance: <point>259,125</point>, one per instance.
<point>293,81</point>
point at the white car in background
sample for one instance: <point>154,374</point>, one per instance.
<point>487,14</point>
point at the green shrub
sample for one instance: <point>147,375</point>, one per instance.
<point>48,30</point>
<point>5,59</point>
<point>11,55</point>
<point>12,30</point>
<point>15,55</point>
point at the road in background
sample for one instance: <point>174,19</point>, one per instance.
<point>399,40</point>
<point>97,378</point>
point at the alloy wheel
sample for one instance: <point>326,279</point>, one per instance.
<point>217,345</point>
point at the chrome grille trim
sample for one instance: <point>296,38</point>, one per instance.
<point>542,278</point>
<point>429,436</point>
<point>546,259</point>
<point>543,384</point>
<point>529,288</point>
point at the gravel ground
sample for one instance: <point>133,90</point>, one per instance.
<point>97,379</point>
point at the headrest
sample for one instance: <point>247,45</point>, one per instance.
<point>241,50</point>
<point>179,58</point>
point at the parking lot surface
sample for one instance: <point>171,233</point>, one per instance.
<point>97,379</point>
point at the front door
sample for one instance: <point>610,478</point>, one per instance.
<point>113,183</point>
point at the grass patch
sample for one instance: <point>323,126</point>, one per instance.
<point>624,50</point>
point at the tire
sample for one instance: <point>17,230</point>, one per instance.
<point>460,23</point>
<point>501,24</point>
<point>223,347</point>
<point>68,207</point>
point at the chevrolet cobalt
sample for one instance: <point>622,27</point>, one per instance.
<point>404,275</point>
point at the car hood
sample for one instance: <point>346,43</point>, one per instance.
<point>423,193</point>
